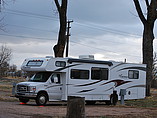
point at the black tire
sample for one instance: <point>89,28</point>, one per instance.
<point>24,100</point>
<point>114,99</point>
<point>90,102</point>
<point>41,99</point>
<point>108,102</point>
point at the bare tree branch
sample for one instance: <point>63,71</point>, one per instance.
<point>139,11</point>
<point>147,3</point>
<point>58,5</point>
<point>64,5</point>
<point>5,54</point>
<point>151,17</point>
<point>2,26</point>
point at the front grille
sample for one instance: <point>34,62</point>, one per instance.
<point>22,88</point>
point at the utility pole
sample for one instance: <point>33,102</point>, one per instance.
<point>68,35</point>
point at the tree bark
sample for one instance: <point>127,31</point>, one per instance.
<point>60,46</point>
<point>76,107</point>
<point>148,56</point>
<point>148,37</point>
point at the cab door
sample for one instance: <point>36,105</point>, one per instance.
<point>55,87</point>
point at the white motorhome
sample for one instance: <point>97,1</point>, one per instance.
<point>57,78</point>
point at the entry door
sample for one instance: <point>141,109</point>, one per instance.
<point>55,87</point>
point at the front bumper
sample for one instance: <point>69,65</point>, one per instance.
<point>26,95</point>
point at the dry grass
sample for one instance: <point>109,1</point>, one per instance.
<point>6,85</point>
<point>147,102</point>
<point>6,88</point>
<point>6,92</point>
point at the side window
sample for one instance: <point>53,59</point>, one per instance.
<point>55,78</point>
<point>60,63</point>
<point>79,74</point>
<point>133,74</point>
<point>99,73</point>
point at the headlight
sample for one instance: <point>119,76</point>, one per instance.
<point>32,88</point>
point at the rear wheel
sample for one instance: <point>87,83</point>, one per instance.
<point>24,100</point>
<point>114,99</point>
<point>108,102</point>
<point>41,99</point>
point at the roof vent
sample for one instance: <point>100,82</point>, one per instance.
<point>91,57</point>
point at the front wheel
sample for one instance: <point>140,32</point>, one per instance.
<point>24,100</point>
<point>41,99</point>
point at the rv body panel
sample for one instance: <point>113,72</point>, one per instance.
<point>93,79</point>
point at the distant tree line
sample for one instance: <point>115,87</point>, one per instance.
<point>5,56</point>
<point>5,68</point>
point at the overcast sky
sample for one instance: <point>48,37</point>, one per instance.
<point>107,29</point>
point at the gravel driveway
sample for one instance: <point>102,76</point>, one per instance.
<point>56,110</point>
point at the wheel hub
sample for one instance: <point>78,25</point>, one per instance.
<point>42,99</point>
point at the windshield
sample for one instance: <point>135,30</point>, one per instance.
<point>40,77</point>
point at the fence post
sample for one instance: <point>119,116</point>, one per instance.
<point>76,107</point>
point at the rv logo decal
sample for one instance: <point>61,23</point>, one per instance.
<point>117,82</point>
<point>123,76</point>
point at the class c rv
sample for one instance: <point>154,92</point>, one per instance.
<point>57,78</point>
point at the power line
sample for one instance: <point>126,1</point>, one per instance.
<point>36,29</point>
<point>93,26</point>
<point>106,40</point>
<point>102,49</point>
<point>28,37</point>
<point>29,14</point>
<point>43,30</point>
<point>103,28</point>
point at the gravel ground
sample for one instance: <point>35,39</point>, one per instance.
<point>11,108</point>
<point>58,110</point>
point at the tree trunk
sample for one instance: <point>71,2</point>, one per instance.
<point>76,107</point>
<point>60,46</point>
<point>148,38</point>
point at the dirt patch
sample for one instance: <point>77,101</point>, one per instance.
<point>11,108</point>
<point>15,109</point>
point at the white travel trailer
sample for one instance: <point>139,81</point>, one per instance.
<point>57,78</point>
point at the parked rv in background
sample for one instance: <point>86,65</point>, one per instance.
<point>57,78</point>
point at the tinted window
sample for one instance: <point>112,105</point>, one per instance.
<point>41,77</point>
<point>60,63</point>
<point>133,74</point>
<point>79,74</point>
<point>34,63</point>
<point>99,73</point>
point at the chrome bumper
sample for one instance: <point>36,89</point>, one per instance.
<point>27,95</point>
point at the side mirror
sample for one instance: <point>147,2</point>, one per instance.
<point>55,79</point>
